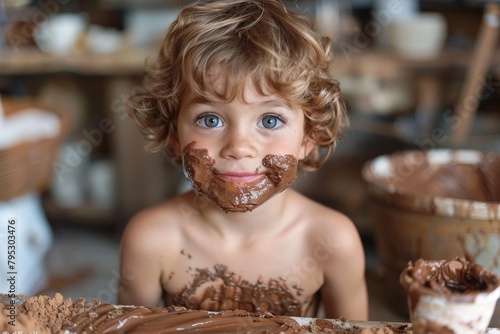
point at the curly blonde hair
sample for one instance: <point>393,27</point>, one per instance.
<point>258,38</point>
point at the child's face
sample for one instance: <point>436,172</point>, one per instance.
<point>240,136</point>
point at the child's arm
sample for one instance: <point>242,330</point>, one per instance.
<point>344,292</point>
<point>140,270</point>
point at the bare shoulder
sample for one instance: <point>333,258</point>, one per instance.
<point>334,242</point>
<point>329,225</point>
<point>147,250</point>
<point>319,215</point>
<point>156,225</point>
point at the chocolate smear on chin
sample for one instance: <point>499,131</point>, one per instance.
<point>281,171</point>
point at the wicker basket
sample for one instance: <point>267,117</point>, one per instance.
<point>27,167</point>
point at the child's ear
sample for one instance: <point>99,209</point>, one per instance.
<point>176,145</point>
<point>307,145</point>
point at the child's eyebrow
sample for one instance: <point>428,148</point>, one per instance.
<point>199,100</point>
<point>275,103</point>
<point>271,103</point>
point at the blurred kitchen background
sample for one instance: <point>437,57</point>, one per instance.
<point>404,67</point>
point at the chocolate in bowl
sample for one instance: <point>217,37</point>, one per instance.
<point>455,296</point>
<point>435,204</point>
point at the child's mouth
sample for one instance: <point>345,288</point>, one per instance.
<point>239,177</point>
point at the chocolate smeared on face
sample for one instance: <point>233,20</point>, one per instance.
<point>280,172</point>
<point>220,290</point>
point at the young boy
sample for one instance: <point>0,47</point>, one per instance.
<point>240,97</point>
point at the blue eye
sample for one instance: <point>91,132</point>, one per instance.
<point>209,121</point>
<point>270,122</point>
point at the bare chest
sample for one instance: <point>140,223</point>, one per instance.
<point>220,289</point>
<point>281,280</point>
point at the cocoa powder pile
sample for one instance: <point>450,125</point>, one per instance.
<point>42,314</point>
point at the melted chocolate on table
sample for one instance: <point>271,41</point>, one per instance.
<point>107,318</point>
<point>220,290</point>
<point>280,172</point>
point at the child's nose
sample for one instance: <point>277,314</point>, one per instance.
<point>239,145</point>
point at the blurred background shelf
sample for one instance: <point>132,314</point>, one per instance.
<point>32,61</point>
<point>87,215</point>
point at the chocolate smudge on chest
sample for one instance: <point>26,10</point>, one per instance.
<point>220,290</point>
